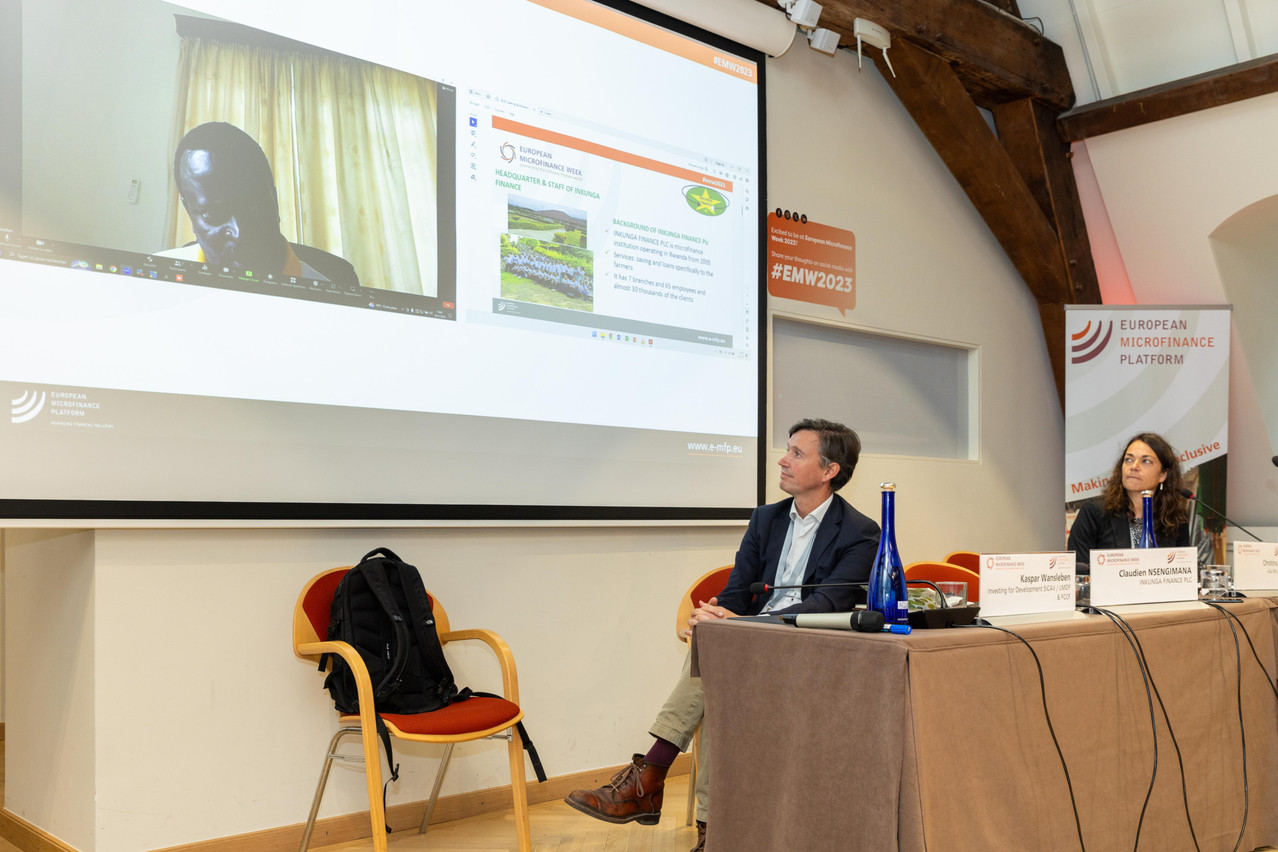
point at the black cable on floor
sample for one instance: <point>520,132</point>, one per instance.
<point>1140,650</point>
<point>1242,734</point>
<point>1153,723</point>
<point>1078,827</point>
<point>1268,677</point>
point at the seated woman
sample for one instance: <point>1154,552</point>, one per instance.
<point>1113,520</point>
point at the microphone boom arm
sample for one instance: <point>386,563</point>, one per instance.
<point>1189,495</point>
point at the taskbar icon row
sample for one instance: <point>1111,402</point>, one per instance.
<point>159,267</point>
<point>622,338</point>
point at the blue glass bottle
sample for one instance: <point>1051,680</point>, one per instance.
<point>887,593</point>
<point>1147,520</point>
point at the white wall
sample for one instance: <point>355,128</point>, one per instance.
<point>2,628</point>
<point>49,671</point>
<point>1186,197</point>
<point>189,718</point>
<point>1168,187</point>
<point>1247,257</point>
<point>76,181</point>
<point>218,730</point>
<point>1113,48</point>
<point>843,151</point>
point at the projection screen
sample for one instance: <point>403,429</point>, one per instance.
<point>490,259</point>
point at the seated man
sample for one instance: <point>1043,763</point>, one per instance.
<point>228,190</point>
<point>814,538</point>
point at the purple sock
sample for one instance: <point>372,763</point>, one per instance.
<point>662,753</point>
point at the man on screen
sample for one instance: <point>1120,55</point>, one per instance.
<point>816,538</point>
<point>228,190</point>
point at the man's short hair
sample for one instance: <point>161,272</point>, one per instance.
<point>838,444</point>
<point>230,147</point>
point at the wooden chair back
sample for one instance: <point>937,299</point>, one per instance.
<point>964,559</point>
<point>937,571</point>
<point>707,586</point>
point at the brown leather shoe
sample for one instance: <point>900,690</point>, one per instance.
<point>634,795</point>
<point>701,838</point>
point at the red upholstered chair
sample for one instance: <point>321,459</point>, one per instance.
<point>707,586</point>
<point>937,571</point>
<point>475,718</point>
<point>965,559</point>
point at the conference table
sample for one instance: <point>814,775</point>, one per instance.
<point>938,740</point>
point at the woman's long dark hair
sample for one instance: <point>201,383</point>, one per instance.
<point>1170,509</point>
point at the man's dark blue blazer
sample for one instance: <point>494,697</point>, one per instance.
<point>842,552</point>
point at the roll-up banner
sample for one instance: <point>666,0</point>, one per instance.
<point>1142,369</point>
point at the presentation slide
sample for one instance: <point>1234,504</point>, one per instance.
<point>315,260</point>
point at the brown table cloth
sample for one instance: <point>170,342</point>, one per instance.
<point>832,740</point>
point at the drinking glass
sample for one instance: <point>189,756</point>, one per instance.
<point>955,592</point>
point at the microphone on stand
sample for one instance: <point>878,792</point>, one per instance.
<point>1189,495</point>
<point>860,620</point>
<point>766,588</point>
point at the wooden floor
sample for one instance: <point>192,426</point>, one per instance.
<point>555,828</point>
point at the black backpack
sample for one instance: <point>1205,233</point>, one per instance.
<point>381,608</point>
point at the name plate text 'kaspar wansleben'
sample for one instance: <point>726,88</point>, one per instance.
<point>1025,583</point>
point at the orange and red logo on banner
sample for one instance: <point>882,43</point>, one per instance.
<point>810,262</point>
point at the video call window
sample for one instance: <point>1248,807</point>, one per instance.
<point>306,174</point>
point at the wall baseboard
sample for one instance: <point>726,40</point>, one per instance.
<point>28,838</point>
<point>405,817</point>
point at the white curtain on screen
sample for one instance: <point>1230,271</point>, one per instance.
<point>353,147</point>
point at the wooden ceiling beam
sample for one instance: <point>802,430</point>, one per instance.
<point>932,94</point>
<point>1027,130</point>
<point>996,55</point>
<point>1020,182</point>
<point>1179,97</point>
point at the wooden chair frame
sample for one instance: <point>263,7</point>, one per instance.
<point>308,645</point>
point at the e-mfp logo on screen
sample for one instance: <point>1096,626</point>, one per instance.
<point>27,406</point>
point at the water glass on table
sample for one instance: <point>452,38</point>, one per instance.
<point>1082,590</point>
<point>1214,581</point>
<point>955,592</point>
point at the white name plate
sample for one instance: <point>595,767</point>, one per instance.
<point>1255,565</point>
<point>1152,575</point>
<point>1026,583</point>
